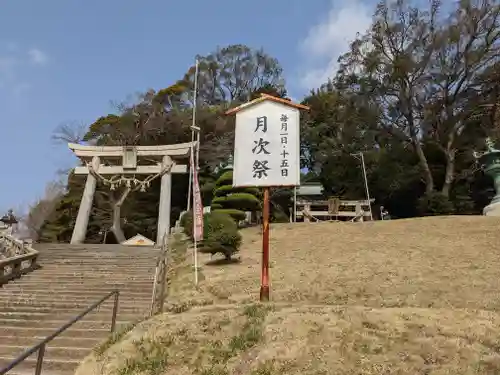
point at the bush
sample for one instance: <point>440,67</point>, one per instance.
<point>187,224</point>
<point>220,235</point>
<point>435,204</point>
<point>237,215</point>
<point>188,215</point>
<point>279,216</point>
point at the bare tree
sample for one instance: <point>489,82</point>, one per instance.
<point>40,211</point>
<point>424,72</point>
<point>234,73</point>
<point>69,133</point>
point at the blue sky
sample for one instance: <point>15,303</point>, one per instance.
<point>64,61</point>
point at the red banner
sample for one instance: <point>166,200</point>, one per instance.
<point>197,205</point>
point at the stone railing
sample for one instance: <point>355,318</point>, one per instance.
<point>16,258</point>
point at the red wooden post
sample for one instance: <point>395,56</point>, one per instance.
<point>264,280</point>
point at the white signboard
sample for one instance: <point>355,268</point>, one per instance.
<point>267,145</point>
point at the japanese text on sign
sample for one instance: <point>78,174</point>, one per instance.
<point>266,150</point>
<point>261,162</point>
<point>284,145</point>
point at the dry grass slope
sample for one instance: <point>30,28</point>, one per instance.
<point>416,296</point>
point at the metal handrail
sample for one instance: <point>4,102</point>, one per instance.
<point>40,347</point>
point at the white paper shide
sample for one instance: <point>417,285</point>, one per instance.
<point>267,145</point>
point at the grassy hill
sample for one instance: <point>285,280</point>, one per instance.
<point>417,296</point>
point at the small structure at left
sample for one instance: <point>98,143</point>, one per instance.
<point>17,257</point>
<point>133,166</point>
<point>8,222</point>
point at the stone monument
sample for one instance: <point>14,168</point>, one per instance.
<point>490,162</point>
<point>122,166</point>
<point>8,222</point>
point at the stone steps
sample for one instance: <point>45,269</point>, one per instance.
<point>90,287</point>
<point>52,366</point>
<point>68,308</point>
<point>54,322</point>
<point>103,264</point>
<point>92,271</point>
<point>29,341</point>
<point>72,278</point>
<point>50,351</point>
<point>28,298</point>
<point>70,314</point>
<point>57,284</point>
<point>89,271</point>
<point>104,257</point>
<point>89,297</point>
<point>43,299</point>
<point>86,329</point>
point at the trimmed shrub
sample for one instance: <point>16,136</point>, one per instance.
<point>225,179</point>
<point>239,201</point>
<point>220,235</point>
<point>237,215</point>
<point>224,190</point>
<point>234,201</point>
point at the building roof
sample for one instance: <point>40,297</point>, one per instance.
<point>264,97</point>
<point>138,240</point>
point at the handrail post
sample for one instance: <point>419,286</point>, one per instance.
<point>39,360</point>
<point>115,311</point>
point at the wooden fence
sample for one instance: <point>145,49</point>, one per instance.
<point>333,209</point>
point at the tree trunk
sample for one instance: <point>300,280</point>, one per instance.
<point>449,174</point>
<point>429,180</point>
<point>449,153</point>
<point>415,140</point>
<point>116,228</point>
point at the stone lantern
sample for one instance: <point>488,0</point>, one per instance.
<point>9,221</point>
<point>9,218</point>
<point>490,163</point>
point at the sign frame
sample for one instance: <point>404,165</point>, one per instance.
<point>264,284</point>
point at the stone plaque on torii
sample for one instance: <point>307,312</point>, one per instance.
<point>118,165</point>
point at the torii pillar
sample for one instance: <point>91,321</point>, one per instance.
<point>165,203</point>
<point>82,219</point>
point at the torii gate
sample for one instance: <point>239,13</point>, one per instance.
<point>122,164</point>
